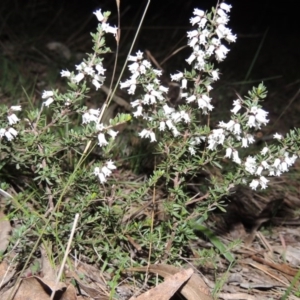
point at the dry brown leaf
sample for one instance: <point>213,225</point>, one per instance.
<point>46,266</point>
<point>29,288</point>
<point>194,289</point>
<point>4,232</point>
<point>37,288</point>
<point>167,289</point>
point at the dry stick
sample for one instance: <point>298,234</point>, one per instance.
<point>65,256</point>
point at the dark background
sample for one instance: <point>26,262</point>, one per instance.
<point>267,48</point>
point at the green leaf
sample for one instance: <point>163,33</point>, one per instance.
<point>215,241</point>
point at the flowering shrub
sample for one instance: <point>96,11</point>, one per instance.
<point>48,162</point>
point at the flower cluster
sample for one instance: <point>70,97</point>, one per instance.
<point>88,69</point>
<point>10,133</point>
<point>206,41</point>
<point>105,171</point>
<point>153,100</point>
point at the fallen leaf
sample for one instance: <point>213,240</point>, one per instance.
<point>194,289</point>
<point>167,289</point>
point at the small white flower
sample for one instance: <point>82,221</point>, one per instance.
<point>99,15</point>
<point>109,29</point>
<point>237,105</point>
<point>78,77</point>
<point>263,182</point>
<point>111,165</point>
<point>138,112</point>
<point>2,132</point>
<point>225,7</point>
<point>48,101</point>
<point>177,77</point>
<point>66,73</point>
<point>235,157</point>
<point>47,94</point>
<point>184,83</point>
<point>250,164</point>
<point>228,152</point>
<point>16,108</point>
<point>167,109</point>
<point>264,151</point>
<point>106,171</point>
<point>259,170</point>
<point>254,184</point>
<point>112,133</point>
<point>215,75</point>
<point>96,83</point>
<point>277,136</point>
<point>162,126</point>
<point>152,137</point>
<point>13,131</point>
<point>101,140</point>
<point>100,69</point>
<point>12,119</point>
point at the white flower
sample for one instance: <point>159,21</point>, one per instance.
<point>177,77</point>
<point>277,136</point>
<point>138,112</point>
<point>263,182</point>
<point>112,133</point>
<point>235,157</point>
<point>111,165</point>
<point>106,171</point>
<point>89,70</point>
<point>221,52</point>
<point>16,108</point>
<point>78,77</point>
<point>99,15</point>
<point>251,121</point>
<point>259,170</point>
<point>147,133</point>
<point>192,150</point>
<point>99,174</point>
<point>139,56</point>
<point>247,139</point>
<point>88,117</point>
<point>215,75</point>
<point>264,151</point>
<point>162,126</point>
<point>228,152</point>
<point>64,73</point>
<point>257,117</point>
<point>101,140</point>
<point>12,119</point>
<point>47,94</point>
<point>254,184</point>
<point>250,164</point>
<point>96,83</point>
<point>191,99</point>
<point>183,83</point>
<point>48,101</point>
<point>100,69</point>
<point>167,109</point>
<point>225,7</point>
<point>2,132</point>
<point>237,105</point>
<point>152,137</point>
<point>216,137</point>
<point>109,29</point>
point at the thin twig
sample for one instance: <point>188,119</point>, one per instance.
<point>65,256</point>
